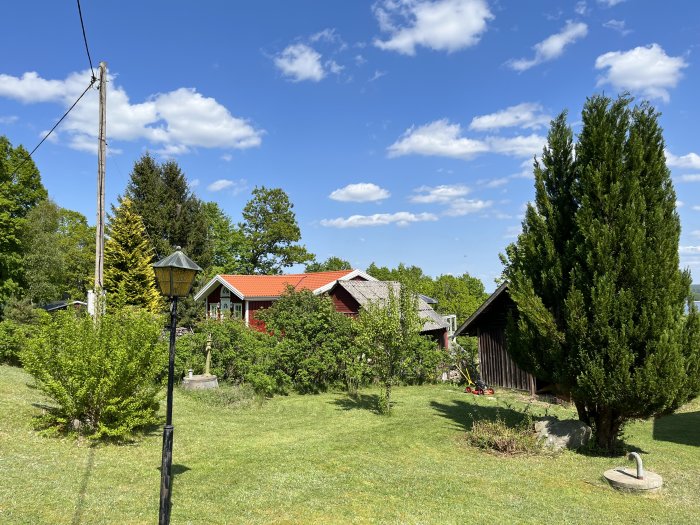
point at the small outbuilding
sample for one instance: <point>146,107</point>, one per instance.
<point>349,296</point>
<point>488,325</point>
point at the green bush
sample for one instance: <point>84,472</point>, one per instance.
<point>238,355</point>
<point>498,436</point>
<point>314,340</point>
<point>13,337</point>
<point>104,375</point>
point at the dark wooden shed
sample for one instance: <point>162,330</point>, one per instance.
<point>488,324</point>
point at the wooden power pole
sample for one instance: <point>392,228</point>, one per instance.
<point>100,229</point>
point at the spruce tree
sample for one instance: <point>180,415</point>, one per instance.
<point>128,275</point>
<point>595,273</point>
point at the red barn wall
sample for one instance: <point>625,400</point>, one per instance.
<point>344,302</point>
<point>253,307</point>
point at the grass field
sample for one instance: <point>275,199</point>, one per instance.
<point>331,459</point>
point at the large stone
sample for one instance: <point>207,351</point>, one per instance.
<point>200,382</point>
<point>558,434</point>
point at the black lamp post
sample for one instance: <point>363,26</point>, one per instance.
<point>174,275</point>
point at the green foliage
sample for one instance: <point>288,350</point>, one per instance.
<point>314,340</point>
<point>225,240</point>
<point>331,264</point>
<point>20,325</point>
<point>20,191</point>
<point>227,396</point>
<point>103,376</point>
<point>500,437</point>
<point>270,233</point>
<point>595,272</point>
<point>128,274</point>
<point>60,256</point>
<point>239,355</point>
<point>389,334</point>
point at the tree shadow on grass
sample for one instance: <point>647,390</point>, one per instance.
<point>463,413</point>
<point>683,428</point>
<point>80,504</point>
<point>358,402</point>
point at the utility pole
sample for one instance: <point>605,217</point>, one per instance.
<point>98,294</point>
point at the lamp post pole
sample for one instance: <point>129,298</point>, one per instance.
<point>167,456</point>
<point>175,275</point>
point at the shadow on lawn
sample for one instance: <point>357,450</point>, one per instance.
<point>464,413</point>
<point>358,402</point>
<point>679,428</point>
<point>78,514</point>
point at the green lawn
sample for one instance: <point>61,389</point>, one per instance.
<point>331,459</point>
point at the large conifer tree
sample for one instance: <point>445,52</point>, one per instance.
<point>595,272</point>
<point>128,275</point>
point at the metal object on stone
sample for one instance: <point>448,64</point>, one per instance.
<point>634,480</point>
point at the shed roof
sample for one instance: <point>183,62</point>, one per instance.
<point>365,292</point>
<point>467,327</point>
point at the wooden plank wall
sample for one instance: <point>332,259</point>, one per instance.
<point>496,366</point>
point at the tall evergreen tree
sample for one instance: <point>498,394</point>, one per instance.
<point>20,191</point>
<point>595,273</point>
<point>128,275</point>
<point>171,214</point>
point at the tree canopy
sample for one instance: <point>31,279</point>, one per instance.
<point>270,233</point>
<point>595,273</point>
<point>331,264</point>
<point>20,191</point>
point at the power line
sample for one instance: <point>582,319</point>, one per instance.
<point>87,49</point>
<point>29,156</point>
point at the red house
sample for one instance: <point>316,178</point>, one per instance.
<point>241,296</point>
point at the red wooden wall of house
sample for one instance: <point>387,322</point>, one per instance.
<point>253,307</point>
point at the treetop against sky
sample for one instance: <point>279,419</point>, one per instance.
<point>402,130</point>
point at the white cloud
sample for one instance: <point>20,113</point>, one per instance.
<point>401,218</point>
<point>610,3</point>
<point>459,207</point>
<point>581,8</point>
<point>220,184</point>
<point>300,62</point>
<point>496,183</point>
<point>525,115</point>
<point>443,193</point>
<point>377,75</point>
<point>175,121</point>
<point>236,186</point>
<point>439,138</point>
<point>617,25</point>
<point>360,192</point>
<point>334,67</point>
<point>512,232</point>
<point>646,70</point>
<point>691,160</point>
<point>553,46</point>
<point>443,139</point>
<point>691,177</point>
<point>9,119</point>
<point>679,204</point>
<point>687,250</point>
<point>227,157</point>
<point>193,183</point>
<point>696,208</point>
<point>442,25</point>
<point>695,233</point>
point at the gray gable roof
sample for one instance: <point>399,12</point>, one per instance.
<point>365,292</point>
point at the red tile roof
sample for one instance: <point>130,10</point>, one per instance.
<point>274,285</point>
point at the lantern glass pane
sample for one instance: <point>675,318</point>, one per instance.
<point>163,279</point>
<point>182,281</point>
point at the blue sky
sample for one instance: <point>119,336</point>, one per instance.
<point>402,130</point>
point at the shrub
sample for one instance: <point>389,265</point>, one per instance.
<point>102,375</point>
<point>313,339</point>
<point>238,355</point>
<point>498,436</point>
<point>13,337</point>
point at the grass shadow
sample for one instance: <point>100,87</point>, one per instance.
<point>80,504</point>
<point>358,402</point>
<point>176,469</point>
<point>683,428</point>
<point>463,413</point>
